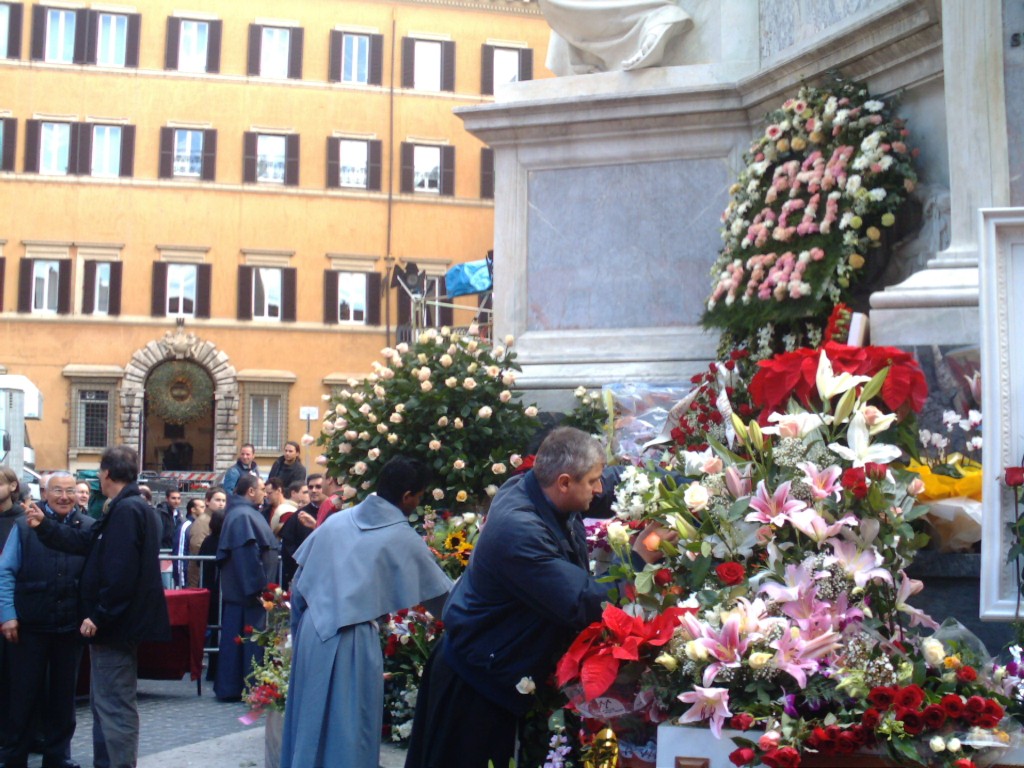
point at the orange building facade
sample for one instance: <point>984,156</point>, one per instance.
<point>200,211</point>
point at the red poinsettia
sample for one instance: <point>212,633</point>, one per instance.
<point>794,374</point>
<point>598,651</point>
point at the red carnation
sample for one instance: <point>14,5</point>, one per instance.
<point>784,757</point>
<point>247,629</point>
<point>1015,476</point>
<point>663,577</point>
<point>742,722</point>
<point>934,717</point>
<point>953,704</point>
<point>910,697</point>
<point>730,573</point>
<point>742,756</point>
<point>882,696</point>
<point>966,675</point>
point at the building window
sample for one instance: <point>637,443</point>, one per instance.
<point>266,293</point>
<point>352,298</point>
<point>188,153</point>
<point>44,286</point>
<point>487,173</point>
<point>106,150</point>
<point>181,290</point>
<point>60,35</point>
<point>353,163</point>
<point>428,168</point>
<point>111,39</point>
<point>428,65</point>
<point>275,52</point>
<point>93,418</point>
<point>500,66</point>
<point>266,421</point>
<point>356,58</point>
<point>54,145</point>
<point>271,158</point>
<point>193,45</point>
<point>10,30</point>
<point>101,288</point>
<point>8,142</point>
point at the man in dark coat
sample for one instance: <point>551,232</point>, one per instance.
<point>171,518</point>
<point>39,620</point>
<point>121,599</point>
<point>526,594</point>
<point>296,529</point>
<point>247,555</point>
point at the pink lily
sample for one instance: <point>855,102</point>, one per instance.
<point>824,482</point>
<point>738,485</point>
<point>726,646</point>
<point>774,508</point>
<point>816,527</point>
<point>707,703</point>
<point>907,588</point>
<point>796,656</point>
<point>863,565</point>
<point>798,580</point>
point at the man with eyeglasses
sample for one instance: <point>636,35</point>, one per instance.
<point>39,620</point>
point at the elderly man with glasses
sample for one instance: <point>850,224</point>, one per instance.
<point>39,620</point>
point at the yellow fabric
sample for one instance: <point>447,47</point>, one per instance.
<point>938,487</point>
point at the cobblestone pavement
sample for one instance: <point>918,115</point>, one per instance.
<point>179,729</point>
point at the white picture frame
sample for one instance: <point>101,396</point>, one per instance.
<point>1001,304</point>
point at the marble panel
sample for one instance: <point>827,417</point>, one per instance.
<point>1013,82</point>
<point>787,24</point>
<point>623,246</point>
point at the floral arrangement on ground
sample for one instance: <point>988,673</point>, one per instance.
<point>809,214</point>
<point>781,607</point>
<point>266,686</point>
<point>448,400</point>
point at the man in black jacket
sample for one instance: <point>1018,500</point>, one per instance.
<point>39,620</point>
<point>122,601</point>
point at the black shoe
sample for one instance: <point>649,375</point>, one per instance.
<point>62,764</point>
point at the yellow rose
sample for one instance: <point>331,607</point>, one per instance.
<point>782,145</point>
<point>817,137</point>
<point>874,233</point>
<point>759,660</point>
<point>888,219</point>
<point>461,496</point>
<point>856,260</point>
<point>799,143</point>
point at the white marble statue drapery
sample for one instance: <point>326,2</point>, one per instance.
<point>607,35</point>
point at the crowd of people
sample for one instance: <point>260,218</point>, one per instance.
<point>66,578</point>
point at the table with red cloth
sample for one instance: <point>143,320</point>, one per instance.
<point>187,610</point>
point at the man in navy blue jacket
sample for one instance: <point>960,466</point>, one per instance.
<point>121,601</point>
<point>526,594</point>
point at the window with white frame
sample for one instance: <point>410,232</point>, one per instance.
<point>266,293</point>
<point>45,285</point>
<point>426,169</point>
<point>101,290</point>
<point>265,420</point>
<point>352,297</point>
<point>274,52</point>
<point>111,39</point>
<point>5,28</point>
<point>60,35</point>
<point>181,290</point>
<point>54,145</point>
<point>188,152</point>
<point>427,61</point>
<point>106,150</point>
<point>506,66</point>
<point>193,43</point>
<point>92,418</point>
<point>352,163</point>
<point>355,58</point>
<point>271,152</point>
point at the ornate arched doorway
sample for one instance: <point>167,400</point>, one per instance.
<point>186,383</point>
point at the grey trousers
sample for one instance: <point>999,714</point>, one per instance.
<point>115,712</point>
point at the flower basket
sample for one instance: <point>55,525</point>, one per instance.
<point>273,732</point>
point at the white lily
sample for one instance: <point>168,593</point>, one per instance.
<point>830,385</point>
<point>859,449</point>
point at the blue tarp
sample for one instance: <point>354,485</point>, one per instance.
<point>471,277</point>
